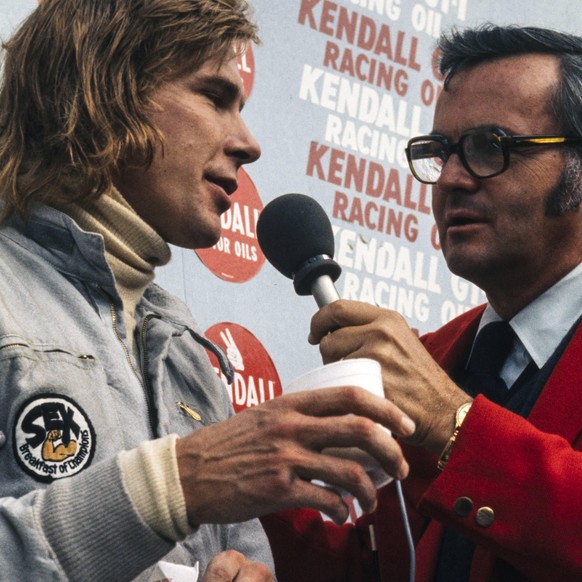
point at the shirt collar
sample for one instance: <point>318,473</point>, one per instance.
<point>541,325</point>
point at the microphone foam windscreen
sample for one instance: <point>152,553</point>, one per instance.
<point>292,229</point>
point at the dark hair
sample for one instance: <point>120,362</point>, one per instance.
<point>463,49</point>
<point>78,76</point>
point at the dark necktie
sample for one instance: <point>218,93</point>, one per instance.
<point>492,346</point>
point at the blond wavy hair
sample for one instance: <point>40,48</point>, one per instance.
<point>78,77</point>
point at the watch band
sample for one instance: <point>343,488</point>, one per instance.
<point>459,418</point>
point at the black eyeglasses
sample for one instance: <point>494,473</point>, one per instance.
<point>483,152</point>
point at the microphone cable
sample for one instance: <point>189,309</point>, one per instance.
<point>407,531</point>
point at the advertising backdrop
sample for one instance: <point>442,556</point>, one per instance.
<point>334,92</point>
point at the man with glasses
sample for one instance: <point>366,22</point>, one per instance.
<point>494,491</point>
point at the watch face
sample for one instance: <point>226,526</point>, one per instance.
<point>462,412</point>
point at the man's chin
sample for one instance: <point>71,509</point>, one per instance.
<point>464,264</point>
<point>476,272</point>
<point>209,241</point>
<point>203,236</point>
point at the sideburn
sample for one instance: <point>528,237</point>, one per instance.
<point>567,193</point>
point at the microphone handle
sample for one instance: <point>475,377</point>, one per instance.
<point>324,291</point>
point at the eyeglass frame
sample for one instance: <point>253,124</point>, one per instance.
<point>506,142</point>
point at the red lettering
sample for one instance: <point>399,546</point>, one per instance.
<point>327,18</point>
<point>347,25</point>
<point>367,33</point>
<point>356,212</point>
<point>340,203</point>
<point>400,48</point>
<point>316,152</point>
<point>392,191</point>
<point>401,82</point>
<point>362,61</point>
<point>384,43</point>
<point>408,202</point>
<point>347,65</point>
<point>411,227</point>
<point>361,31</point>
<point>306,12</point>
<point>369,208</point>
<point>331,55</point>
<point>375,183</point>
<point>422,205</point>
<point>394,224</point>
<point>336,167</point>
<point>412,62</point>
<point>367,177</point>
<point>355,172</point>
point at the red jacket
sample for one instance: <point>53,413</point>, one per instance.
<point>529,472</point>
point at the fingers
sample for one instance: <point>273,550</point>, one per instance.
<point>323,498</point>
<point>232,565</point>
<point>350,437</point>
<point>260,460</point>
<point>356,432</point>
<point>346,329</point>
<point>340,314</point>
<point>323,478</point>
<point>345,400</point>
<point>332,478</point>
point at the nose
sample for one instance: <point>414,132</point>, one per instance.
<point>455,175</point>
<point>242,145</point>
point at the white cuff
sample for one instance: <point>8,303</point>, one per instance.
<point>151,478</point>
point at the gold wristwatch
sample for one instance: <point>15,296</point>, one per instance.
<point>459,418</point>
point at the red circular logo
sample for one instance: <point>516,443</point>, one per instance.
<point>255,376</point>
<point>237,257</point>
<point>246,68</point>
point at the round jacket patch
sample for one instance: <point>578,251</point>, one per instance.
<point>53,437</point>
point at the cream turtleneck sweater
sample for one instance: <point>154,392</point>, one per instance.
<point>133,249</point>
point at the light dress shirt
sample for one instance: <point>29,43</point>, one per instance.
<point>541,325</point>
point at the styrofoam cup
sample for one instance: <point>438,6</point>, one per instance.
<point>362,372</point>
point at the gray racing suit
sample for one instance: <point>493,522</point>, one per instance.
<point>72,397</point>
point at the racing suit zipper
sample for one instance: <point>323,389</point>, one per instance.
<point>144,366</point>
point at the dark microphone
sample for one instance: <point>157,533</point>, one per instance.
<point>295,235</point>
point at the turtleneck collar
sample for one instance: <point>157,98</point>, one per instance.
<point>132,248</point>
